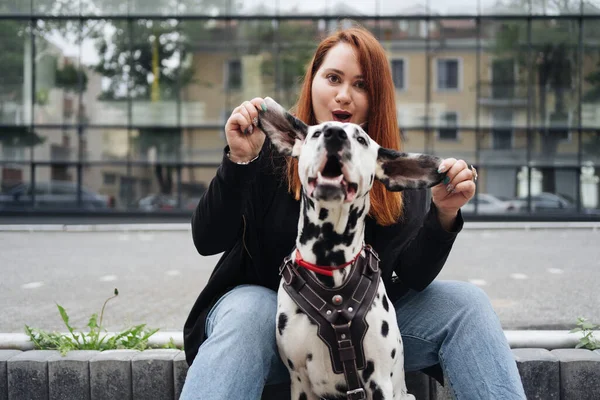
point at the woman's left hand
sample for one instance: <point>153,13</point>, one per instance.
<point>457,188</point>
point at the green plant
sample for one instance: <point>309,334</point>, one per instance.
<point>97,338</point>
<point>588,341</point>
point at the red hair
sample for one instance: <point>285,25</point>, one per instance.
<point>382,124</point>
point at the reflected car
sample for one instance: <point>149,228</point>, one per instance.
<point>52,195</point>
<point>490,204</point>
<point>548,202</point>
<point>155,202</point>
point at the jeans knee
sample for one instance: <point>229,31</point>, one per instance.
<point>464,300</point>
<point>248,313</point>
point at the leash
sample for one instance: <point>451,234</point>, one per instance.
<point>341,320</point>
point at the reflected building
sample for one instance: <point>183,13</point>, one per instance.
<point>129,100</point>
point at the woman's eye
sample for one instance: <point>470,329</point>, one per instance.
<point>333,78</point>
<point>361,85</point>
<point>361,140</point>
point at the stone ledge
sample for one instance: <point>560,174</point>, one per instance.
<point>159,374</point>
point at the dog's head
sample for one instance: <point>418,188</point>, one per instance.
<point>338,162</point>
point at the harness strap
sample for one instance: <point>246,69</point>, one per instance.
<point>338,321</point>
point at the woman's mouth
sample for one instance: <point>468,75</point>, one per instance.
<point>341,116</point>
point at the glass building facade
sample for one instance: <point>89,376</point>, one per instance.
<point>119,106</point>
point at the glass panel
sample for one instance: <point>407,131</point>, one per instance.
<point>591,147</point>
<point>590,106</point>
<point>555,102</point>
<point>503,76</point>
<point>56,145</point>
<point>58,76</point>
<point>194,182</point>
<point>15,7</point>
<point>413,140</point>
<point>590,7</point>
<point>104,7</point>
<point>106,54</point>
<point>203,145</point>
<point>496,192</point>
<point>553,190</point>
<point>105,144</point>
<point>157,56</point>
<point>353,8</point>
<point>156,144</point>
<point>590,188</point>
<point>152,188</point>
<point>15,80</point>
<point>302,7</point>
<point>466,7</point>
<point>263,7</point>
<point>16,142</point>
<point>202,85</point>
<point>212,8</point>
<point>503,143</point>
<point>56,7</point>
<point>153,7</point>
<point>461,145</point>
<point>405,43</point>
<point>104,181</point>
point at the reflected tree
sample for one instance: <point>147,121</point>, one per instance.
<point>552,67</point>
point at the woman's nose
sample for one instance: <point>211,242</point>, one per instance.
<point>343,95</point>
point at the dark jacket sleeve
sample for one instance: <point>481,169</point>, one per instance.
<point>419,245</point>
<point>217,220</point>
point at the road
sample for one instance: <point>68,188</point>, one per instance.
<point>540,279</point>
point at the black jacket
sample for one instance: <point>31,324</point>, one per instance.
<point>248,215</point>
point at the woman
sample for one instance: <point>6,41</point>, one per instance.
<point>250,212</point>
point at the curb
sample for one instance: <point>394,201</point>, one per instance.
<point>546,339</point>
<point>186,227</point>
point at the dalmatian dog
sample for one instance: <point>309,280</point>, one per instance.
<point>338,163</point>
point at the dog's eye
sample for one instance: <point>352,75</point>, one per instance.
<point>361,140</point>
<point>316,134</point>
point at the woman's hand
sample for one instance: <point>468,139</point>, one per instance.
<point>456,190</point>
<point>243,137</point>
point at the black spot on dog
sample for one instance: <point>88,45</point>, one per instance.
<point>385,303</point>
<point>377,296</point>
<point>302,396</point>
<point>376,391</point>
<point>368,371</point>
<point>299,380</point>
<point>299,311</point>
<point>372,178</point>
<point>391,374</point>
<point>281,323</point>
<point>291,364</point>
<point>309,357</point>
<point>394,353</point>
<point>323,214</point>
<point>385,329</point>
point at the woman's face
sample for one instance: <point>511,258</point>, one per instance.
<point>338,88</point>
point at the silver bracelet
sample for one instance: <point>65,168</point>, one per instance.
<point>242,162</point>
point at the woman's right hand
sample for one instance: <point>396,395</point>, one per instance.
<point>243,136</point>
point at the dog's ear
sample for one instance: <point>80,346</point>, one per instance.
<point>286,132</point>
<point>400,171</point>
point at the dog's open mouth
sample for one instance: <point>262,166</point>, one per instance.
<point>331,182</point>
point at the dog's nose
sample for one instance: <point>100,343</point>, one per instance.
<point>335,132</point>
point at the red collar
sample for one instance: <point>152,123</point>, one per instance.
<point>323,270</point>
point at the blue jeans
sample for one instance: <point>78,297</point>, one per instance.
<point>451,323</point>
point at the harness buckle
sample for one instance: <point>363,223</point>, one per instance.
<point>356,394</point>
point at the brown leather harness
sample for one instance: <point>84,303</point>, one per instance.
<point>338,312</point>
